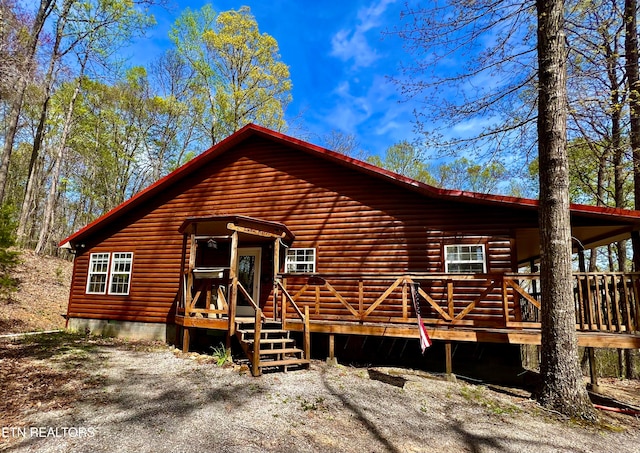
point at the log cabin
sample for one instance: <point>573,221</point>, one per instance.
<point>264,234</point>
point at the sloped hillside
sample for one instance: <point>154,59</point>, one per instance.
<point>42,296</point>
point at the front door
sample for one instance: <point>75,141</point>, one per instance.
<point>249,259</point>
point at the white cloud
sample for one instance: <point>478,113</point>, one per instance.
<point>373,115</point>
<point>352,44</point>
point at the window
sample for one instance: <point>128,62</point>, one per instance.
<point>120,273</point>
<point>98,269</point>
<point>468,259</point>
<point>301,260</point>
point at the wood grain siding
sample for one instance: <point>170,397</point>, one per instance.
<point>358,224</point>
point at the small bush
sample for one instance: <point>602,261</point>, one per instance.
<point>221,355</point>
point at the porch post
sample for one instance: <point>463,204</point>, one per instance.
<point>233,291</point>
<point>192,264</point>
<point>276,270</point>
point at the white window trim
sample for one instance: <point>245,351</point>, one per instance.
<point>124,257</point>
<point>91,272</point>
<point>483,261</point>
<point>289,261</point>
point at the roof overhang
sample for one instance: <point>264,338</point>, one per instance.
<point>583,238</point>
<point>248,228</point>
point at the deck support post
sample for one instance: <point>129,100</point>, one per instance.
<point>593,370</point>
<point>449,362</point>
<point>331,360</point>
<point>306,343</point>
<point>185,339</point>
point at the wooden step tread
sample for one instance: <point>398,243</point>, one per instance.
<point>280,351</point>
<point>270,340</point>
<point>268,363</point>
<point>263,331</point>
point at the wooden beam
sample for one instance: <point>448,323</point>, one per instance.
<point>530,336</point>
<point>254,232</point>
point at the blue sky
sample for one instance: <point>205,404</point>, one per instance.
<point>339,58</point>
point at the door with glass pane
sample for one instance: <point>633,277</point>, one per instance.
<point>249,259</point>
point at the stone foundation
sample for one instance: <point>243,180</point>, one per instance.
<point>124,329</point>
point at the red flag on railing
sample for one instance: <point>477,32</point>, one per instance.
<point>425,341</point>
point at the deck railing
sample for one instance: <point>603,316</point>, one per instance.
<point>604,301</point>
<point>201,299</point>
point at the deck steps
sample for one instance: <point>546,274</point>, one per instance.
<point>277,349</point>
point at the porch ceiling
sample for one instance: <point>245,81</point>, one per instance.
<point>248,228</point>
<point>528,239</point>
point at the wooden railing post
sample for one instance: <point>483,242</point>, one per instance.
<point>405,301</point>
<point>285,303</point>
<point>505,300</point>
<point>257,333</point>
<point>306,344</point>
<point>450,299</point>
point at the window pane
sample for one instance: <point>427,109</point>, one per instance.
<point>464,258</point>
<point>300,260</point>
<point>120,273</point>
<point>97,278</point>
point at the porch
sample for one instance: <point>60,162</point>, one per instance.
<point>231,282</point>
<point>498,308</point>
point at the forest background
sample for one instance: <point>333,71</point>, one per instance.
<point>83,130</point>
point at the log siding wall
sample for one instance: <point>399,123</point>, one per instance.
<point>358,224</point>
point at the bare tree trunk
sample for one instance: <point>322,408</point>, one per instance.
<point>16,105</point>
<point>50,79</point>
<point>633,83</point>
<point>562,386</point>
<point>55,173</point>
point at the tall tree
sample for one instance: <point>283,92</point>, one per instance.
<point>28,66</point>
<point>406,159</point>
<point>242,79</point>
<point>633,85</point>
<point>562,385</point>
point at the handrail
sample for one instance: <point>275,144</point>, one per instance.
<point>604,301</point>
<point>306,328</point>
<point>250,299</point>
<point>293,302</point>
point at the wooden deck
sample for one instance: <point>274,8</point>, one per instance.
<point>495,308</point>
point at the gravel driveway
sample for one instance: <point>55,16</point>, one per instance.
<point>163,401</point>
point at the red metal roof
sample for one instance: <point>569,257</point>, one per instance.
<point>251,130</point>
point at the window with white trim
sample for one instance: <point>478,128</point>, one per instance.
<point>120,273</point>
<point>465,258</point>
<point>98,271</point>
<point>302,260</point>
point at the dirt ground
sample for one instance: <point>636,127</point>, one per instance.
<point>42,297</point>
<point>75,394</point>
<point>70,393</point>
